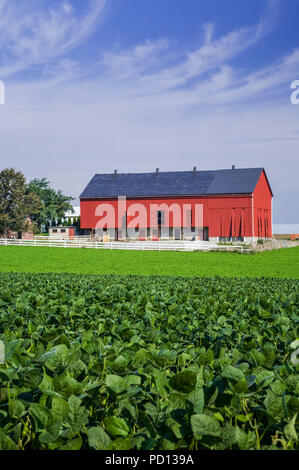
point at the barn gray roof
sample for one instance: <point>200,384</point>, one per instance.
<point>173,183</point>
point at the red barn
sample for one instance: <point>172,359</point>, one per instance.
<point>219,206</point>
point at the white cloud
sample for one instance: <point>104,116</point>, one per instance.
<point>123,64</point>
<point>213,54</point>
<point>210,57</point>
<point>146,107</point>
<point>31,35</point>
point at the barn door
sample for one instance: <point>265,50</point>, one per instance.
<point>206,236</point>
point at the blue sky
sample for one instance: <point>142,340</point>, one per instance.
<point>134,85</point>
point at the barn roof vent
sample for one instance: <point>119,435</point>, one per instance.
<point>115,172</point>
<point>157,170</point>
<point>194,170</point>
<point>233,167</point>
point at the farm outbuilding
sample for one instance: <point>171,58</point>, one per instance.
<point>236,205</point>
<point>62,232</point>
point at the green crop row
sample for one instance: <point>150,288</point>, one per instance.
<point>127,362</point>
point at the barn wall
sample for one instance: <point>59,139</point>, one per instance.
<point>262,203</point>
<point>224,215</point>
<point>229,216</point>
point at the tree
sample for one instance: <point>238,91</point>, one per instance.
<point>16,202</point>
<point>78,225</point>
<point>54,203</point>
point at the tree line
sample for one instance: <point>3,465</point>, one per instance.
<point>36,201</point>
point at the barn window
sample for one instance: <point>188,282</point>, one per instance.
<point>206,236</point>
<point>63,230</point>
<point>189,217</point>
<point>160,218</point>
<point>238,239</point>
<point>177,233</point>
<point>120,234</point>
<point>55,230</point>
<point>155,233</point>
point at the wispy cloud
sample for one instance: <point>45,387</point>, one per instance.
<point>212,57</point>
<point>149,105</point>
<point>213,54</point>
<point>206,76</point>
<point>31,34</point>
<point>136,61</point>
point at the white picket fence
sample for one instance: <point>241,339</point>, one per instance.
<point>140,246</point>
<point>57,237</point>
